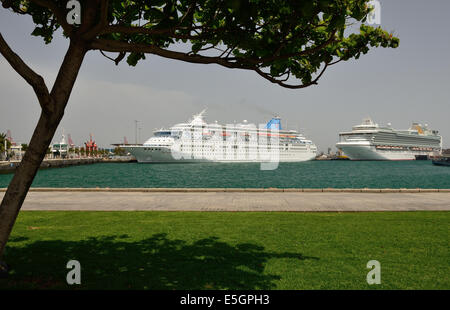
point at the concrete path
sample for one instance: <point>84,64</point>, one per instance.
<point>234,201</point>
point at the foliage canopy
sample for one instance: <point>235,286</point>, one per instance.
<point>282,40</point>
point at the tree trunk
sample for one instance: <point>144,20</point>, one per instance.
<point>40,141</point>
<point>24,175</point>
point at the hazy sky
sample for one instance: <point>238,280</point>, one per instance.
<point>398,86</point>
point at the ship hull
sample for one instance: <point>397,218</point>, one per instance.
<point>145,154</point>
<point>370,152</point>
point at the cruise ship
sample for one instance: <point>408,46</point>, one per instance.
<point>369,141</point>
<point>198,141</point>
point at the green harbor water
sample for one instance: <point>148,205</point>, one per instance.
<point>312,174</point>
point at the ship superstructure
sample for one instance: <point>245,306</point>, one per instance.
<point>369,141</point>
<point>198,141</point>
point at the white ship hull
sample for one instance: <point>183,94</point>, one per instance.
<point>145,154</point>
<point>370,152</point>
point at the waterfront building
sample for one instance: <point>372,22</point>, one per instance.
<point>61,149</point>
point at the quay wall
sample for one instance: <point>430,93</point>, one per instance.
<point>239,190</point>
<point>11,166</point>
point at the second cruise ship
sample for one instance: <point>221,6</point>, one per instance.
<point>198,141</point>
<point>369,141</point>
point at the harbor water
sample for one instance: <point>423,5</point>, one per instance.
<point>311,174</point>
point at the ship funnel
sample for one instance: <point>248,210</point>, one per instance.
<point>274,123</point>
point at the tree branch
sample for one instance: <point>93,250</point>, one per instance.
<point>281,82</point>
<point>35,80</point>
<point>189,11</point>
<point>117,46</point>
<point>116,60</point>
<point>102,23</point>
<point>170,32</point>
<point>141,30</point>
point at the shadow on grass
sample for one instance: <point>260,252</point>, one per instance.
<point>113,262</point>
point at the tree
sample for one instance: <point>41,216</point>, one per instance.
<point>2,142</point>
<point>24,147</point>
<point>288,42</point>
<point>119,151</point>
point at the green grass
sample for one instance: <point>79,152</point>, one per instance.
<point>209,250</point>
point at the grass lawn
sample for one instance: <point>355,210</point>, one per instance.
<point>212,250</point>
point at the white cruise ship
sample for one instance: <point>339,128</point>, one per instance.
<point>198,141</point>
<point>369,141</point>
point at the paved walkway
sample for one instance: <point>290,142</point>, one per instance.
<point>234,201</point>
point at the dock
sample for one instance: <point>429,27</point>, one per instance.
<point>250,200</point>
<point>11,166</point>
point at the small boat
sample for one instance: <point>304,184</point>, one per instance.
<point>442,161</point>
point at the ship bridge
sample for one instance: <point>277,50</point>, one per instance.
<point>367,124</point>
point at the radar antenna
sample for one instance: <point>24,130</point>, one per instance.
<point>201,114</point>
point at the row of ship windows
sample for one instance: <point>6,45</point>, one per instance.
<point>248,156</point>
<point>225,147</point>
<point>206,152</point>
<point>235,145</point>
<point>246,148</point>
<point>242,146</point>
<point>152,149</point>
<point>259,140</point>
<point>235,149</point>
